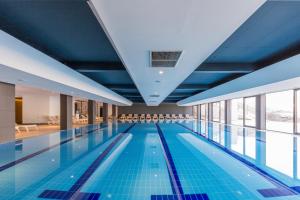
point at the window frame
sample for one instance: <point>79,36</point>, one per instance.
<point>294,111</point>
<point>219,104</point>
<point>244,113</point>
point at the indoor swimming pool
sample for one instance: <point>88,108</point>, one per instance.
<point>176,160</point>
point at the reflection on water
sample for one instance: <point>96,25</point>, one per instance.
<point>279,152</point>
<point>273,152</point>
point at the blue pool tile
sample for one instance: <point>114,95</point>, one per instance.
<point>177,185</point>
<point>13,163</point>
<point>85,176</point>
<point>281,188</point>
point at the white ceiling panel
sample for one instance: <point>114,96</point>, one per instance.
<point>195,27</point>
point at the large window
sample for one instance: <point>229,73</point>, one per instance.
<point>237,111</point>
<point>298,111</point>
<point>279,111</point>
<point>222,111</point>
<point>250,111</point>
<point>203,110</point>
<point>216,111</point>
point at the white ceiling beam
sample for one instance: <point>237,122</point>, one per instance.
<point>284,75</point>
<point>24,65</point>
<point>197,27</point>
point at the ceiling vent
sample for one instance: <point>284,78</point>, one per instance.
<point>164,58</point>
<point>154,95</point>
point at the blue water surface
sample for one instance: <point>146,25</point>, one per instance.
<point>154,160</point>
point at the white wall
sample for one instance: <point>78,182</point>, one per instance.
<point>54,105</point>
<point>38,107</point>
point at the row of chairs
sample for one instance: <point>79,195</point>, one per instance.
<point>154,117</point>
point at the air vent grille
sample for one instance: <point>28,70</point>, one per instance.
<point>164,58</point>
<point>154,95</point>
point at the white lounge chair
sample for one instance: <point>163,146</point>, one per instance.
<point>148,117</point>
<point>187,116</point>
<point>167,117</point>
<point>53,120</point>
<point>26,127</point>
<point>135,117</point>
<point>161,117</point>
<point>98,119</point>
<point>180,116</point>
<point>173,116</point>
<point>142,117</point>
<point>129,117</point>
<point>83,119</point>
<point>122,117</point>
<point>155,117</point>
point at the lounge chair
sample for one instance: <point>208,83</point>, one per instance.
<point>135,117</point>
<point>155,117</point>
<point>142,117</point>
<point>161,117</point>
<point>122,117</point>
<point>148,117</point>
<point>26,127</point>
<point>187,116</point>
<point>180,116</point>
<point>83,119</point>
<point>167,117</point>
<point>129,117</point>
<point>173,116</point>
<point>53,120</point>
<point>98,119</point>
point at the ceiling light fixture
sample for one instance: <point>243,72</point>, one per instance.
<point>161,72</point>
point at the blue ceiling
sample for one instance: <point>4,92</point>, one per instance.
<point>68,31</point>
<point>273,29</point>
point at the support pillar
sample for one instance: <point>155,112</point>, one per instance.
<point>117,112</point>
<point>198,112</point>
<point>227,112</point>
<point>105,112</point>
<point>261,112</point>
<point>91,112</point>
<point>65,112</point>
<point>114,113</point>
<point>7,112</point>
<point>210,112</point>
<point>227,128</point>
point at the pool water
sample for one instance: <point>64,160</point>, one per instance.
<point>174,160</point>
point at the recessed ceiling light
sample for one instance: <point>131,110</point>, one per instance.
<point>161,72</point>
